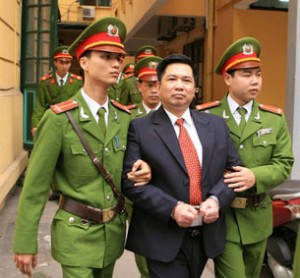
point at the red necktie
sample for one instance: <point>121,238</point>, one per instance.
<point>192,163</point>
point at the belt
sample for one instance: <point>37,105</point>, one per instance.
<point>88,213</point>
<point>253,201</point>
<point>194,231</point>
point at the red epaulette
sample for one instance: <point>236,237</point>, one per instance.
<point>207,105</point>
<point>131,106</point>
<point>78,77</point>
<point>45,77</point>
<point>64,106</point>
<point>120,106</point>
<point>271,109</point>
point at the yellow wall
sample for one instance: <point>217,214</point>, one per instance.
<point>13,158</point>
<point>231,24</point>
<point>181,8</point>
<point>71,11</point>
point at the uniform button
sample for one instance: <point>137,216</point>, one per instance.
<point>106,149</point>
<point>265,142</point>
<point>107,197</point>
<point>124,147</point>
<point>71,219</point>
<point>241,147</point>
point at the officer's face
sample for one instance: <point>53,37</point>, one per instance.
<point>62,66</point>
<point>149,92</point>
<point>177,88</point>
<point>101,68</point>
<point>244,85</point>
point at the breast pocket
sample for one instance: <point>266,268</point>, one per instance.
<point>263,146</point>
<point>79,165</point>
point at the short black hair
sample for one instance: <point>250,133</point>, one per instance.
<point>86,53</point>
<point>172,59</point>
<point>231,72</point>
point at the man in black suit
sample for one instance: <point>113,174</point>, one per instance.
<point>175,236</point>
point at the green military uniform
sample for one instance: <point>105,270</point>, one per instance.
<point>59,156</point>
<point>87,236</point>
<point>138,111</point>
<point>264,146</point>
<point>119,92</point>
<point>49,92</point>
<point>296,266</point>
<point>134,94</point>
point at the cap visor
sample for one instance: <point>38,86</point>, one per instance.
<point>109,48</point>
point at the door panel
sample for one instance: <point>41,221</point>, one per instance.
<point>39,38</point>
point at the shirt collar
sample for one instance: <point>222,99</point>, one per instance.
<point>92,104</point>
<point>58,78</point>
<point>186,116</point>
<point>147,109</point>
<point>233,105</point>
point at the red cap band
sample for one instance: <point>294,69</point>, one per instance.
<point>98,40</point>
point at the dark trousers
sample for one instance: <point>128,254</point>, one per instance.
<point>189,262</point>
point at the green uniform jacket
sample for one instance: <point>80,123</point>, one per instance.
<point>49,92</point>
<point>138,112</point>
<point>58,157</point>
<point>125,92</point>
<point>119,92</point>
<point>135,95</point>
<point>265,148</point>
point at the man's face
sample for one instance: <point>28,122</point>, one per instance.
<point>245,85</point>
<point>62,66</point>
<point>149,92</point>
<point>102,67</point>
<point>177,88</point>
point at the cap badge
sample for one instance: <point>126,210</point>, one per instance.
<point>65,51</point>
<point>153,65</point>
<point>247,49</point>
<point>148,51</point>
<point>112,30</point>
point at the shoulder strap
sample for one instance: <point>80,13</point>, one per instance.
<point>207,105</point>
<point>271,109</point>
<point>107,177</point>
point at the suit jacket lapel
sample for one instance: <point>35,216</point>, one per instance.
<point>206,138</point>
<point>164,129</point>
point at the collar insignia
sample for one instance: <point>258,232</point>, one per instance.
<point>82,114</point>
<point>257,117</point>
<point>224,115</point>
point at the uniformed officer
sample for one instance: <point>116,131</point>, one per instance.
<point>261,135</point>
<point>128,70</point>
<point>126,91</point>
<point>120,91</point>
<point>55,87</point>
<point>145,72</point>
<point>131,83</point>
<point>88,229</point>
